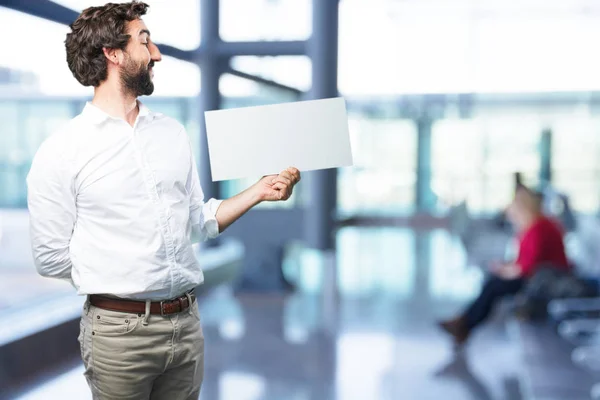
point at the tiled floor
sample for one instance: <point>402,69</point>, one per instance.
<point>258,349</point>
<point>376,340</point>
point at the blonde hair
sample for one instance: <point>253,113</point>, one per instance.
<point>528,200</point>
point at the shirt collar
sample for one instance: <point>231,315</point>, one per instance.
<point>96,116</point>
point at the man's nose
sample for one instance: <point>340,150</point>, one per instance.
<point>155,53</point>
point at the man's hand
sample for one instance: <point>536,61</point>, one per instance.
<point>507,271</point>
<point>278,187</point>
<point>269,188</point>
<point>496,265</point>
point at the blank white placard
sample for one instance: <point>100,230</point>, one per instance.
<point>264,140</point>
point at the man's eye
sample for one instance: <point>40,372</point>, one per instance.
<point>145,44</point>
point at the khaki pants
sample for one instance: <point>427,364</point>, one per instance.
<point>127,360</point>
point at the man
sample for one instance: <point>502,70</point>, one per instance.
<point>540,243</point>
<point>114,199</point>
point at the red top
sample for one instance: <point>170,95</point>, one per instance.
<point>542,243</point>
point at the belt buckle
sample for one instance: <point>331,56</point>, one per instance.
<point>180,300</point>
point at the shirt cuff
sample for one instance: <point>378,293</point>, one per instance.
<point>209,212</point>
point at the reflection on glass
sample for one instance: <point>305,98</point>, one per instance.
<point>249,20</point>
<point>72,382</point>
<point>241,386</point>
<point>450,277</point>
<point>232,329</point>
<point>370,261</point>
<point>376,261</point>
<point>304,267</point>
<point>301,316</point>
<point>383,177</point>
<point>363,359</point>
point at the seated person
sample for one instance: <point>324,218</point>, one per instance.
<point>540,243</point>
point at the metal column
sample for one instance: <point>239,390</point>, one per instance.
<point>210,97</point>
<point>322,185</point>
<point>546,157</point>
<point>425,199</point>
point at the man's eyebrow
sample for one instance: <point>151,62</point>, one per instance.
<point>144,31</point>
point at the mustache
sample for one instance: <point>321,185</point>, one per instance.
<point>151,64</point>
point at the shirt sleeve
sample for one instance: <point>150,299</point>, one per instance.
<point>52,212</point>
<point>203,215</point>
<point>530,252</point>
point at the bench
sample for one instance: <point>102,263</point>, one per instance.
<point>548,372</point>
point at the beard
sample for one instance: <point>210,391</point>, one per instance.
<point>136,78</point>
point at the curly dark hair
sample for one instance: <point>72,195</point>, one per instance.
<point>95,28</point>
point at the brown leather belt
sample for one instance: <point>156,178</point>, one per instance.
<point>165,307</point>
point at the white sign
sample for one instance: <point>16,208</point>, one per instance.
<point>264,140</point>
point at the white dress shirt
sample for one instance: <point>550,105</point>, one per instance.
<point>115,209</point>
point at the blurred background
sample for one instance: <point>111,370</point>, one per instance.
<point>334,294</point>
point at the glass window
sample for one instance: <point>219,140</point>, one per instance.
<point>52,76</point>
<point>446,47</point>
<point>9,115</point>
<point>10,156</point>
<point>382,180</point>
<point>250,20</point>
<point>512,145</point>
<point>240,92</point>
<point>561,60</point>
<point>25,125</point>
<point>176,23</point>
<point>293,71</point>
<point>41,68</point>
<point>40,119</point>
<point>430,51</point>
<point>576,161</point>
<point>476,159</point>
<point>457,153</point>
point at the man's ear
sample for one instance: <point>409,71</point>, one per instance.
<point>114,56</point>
